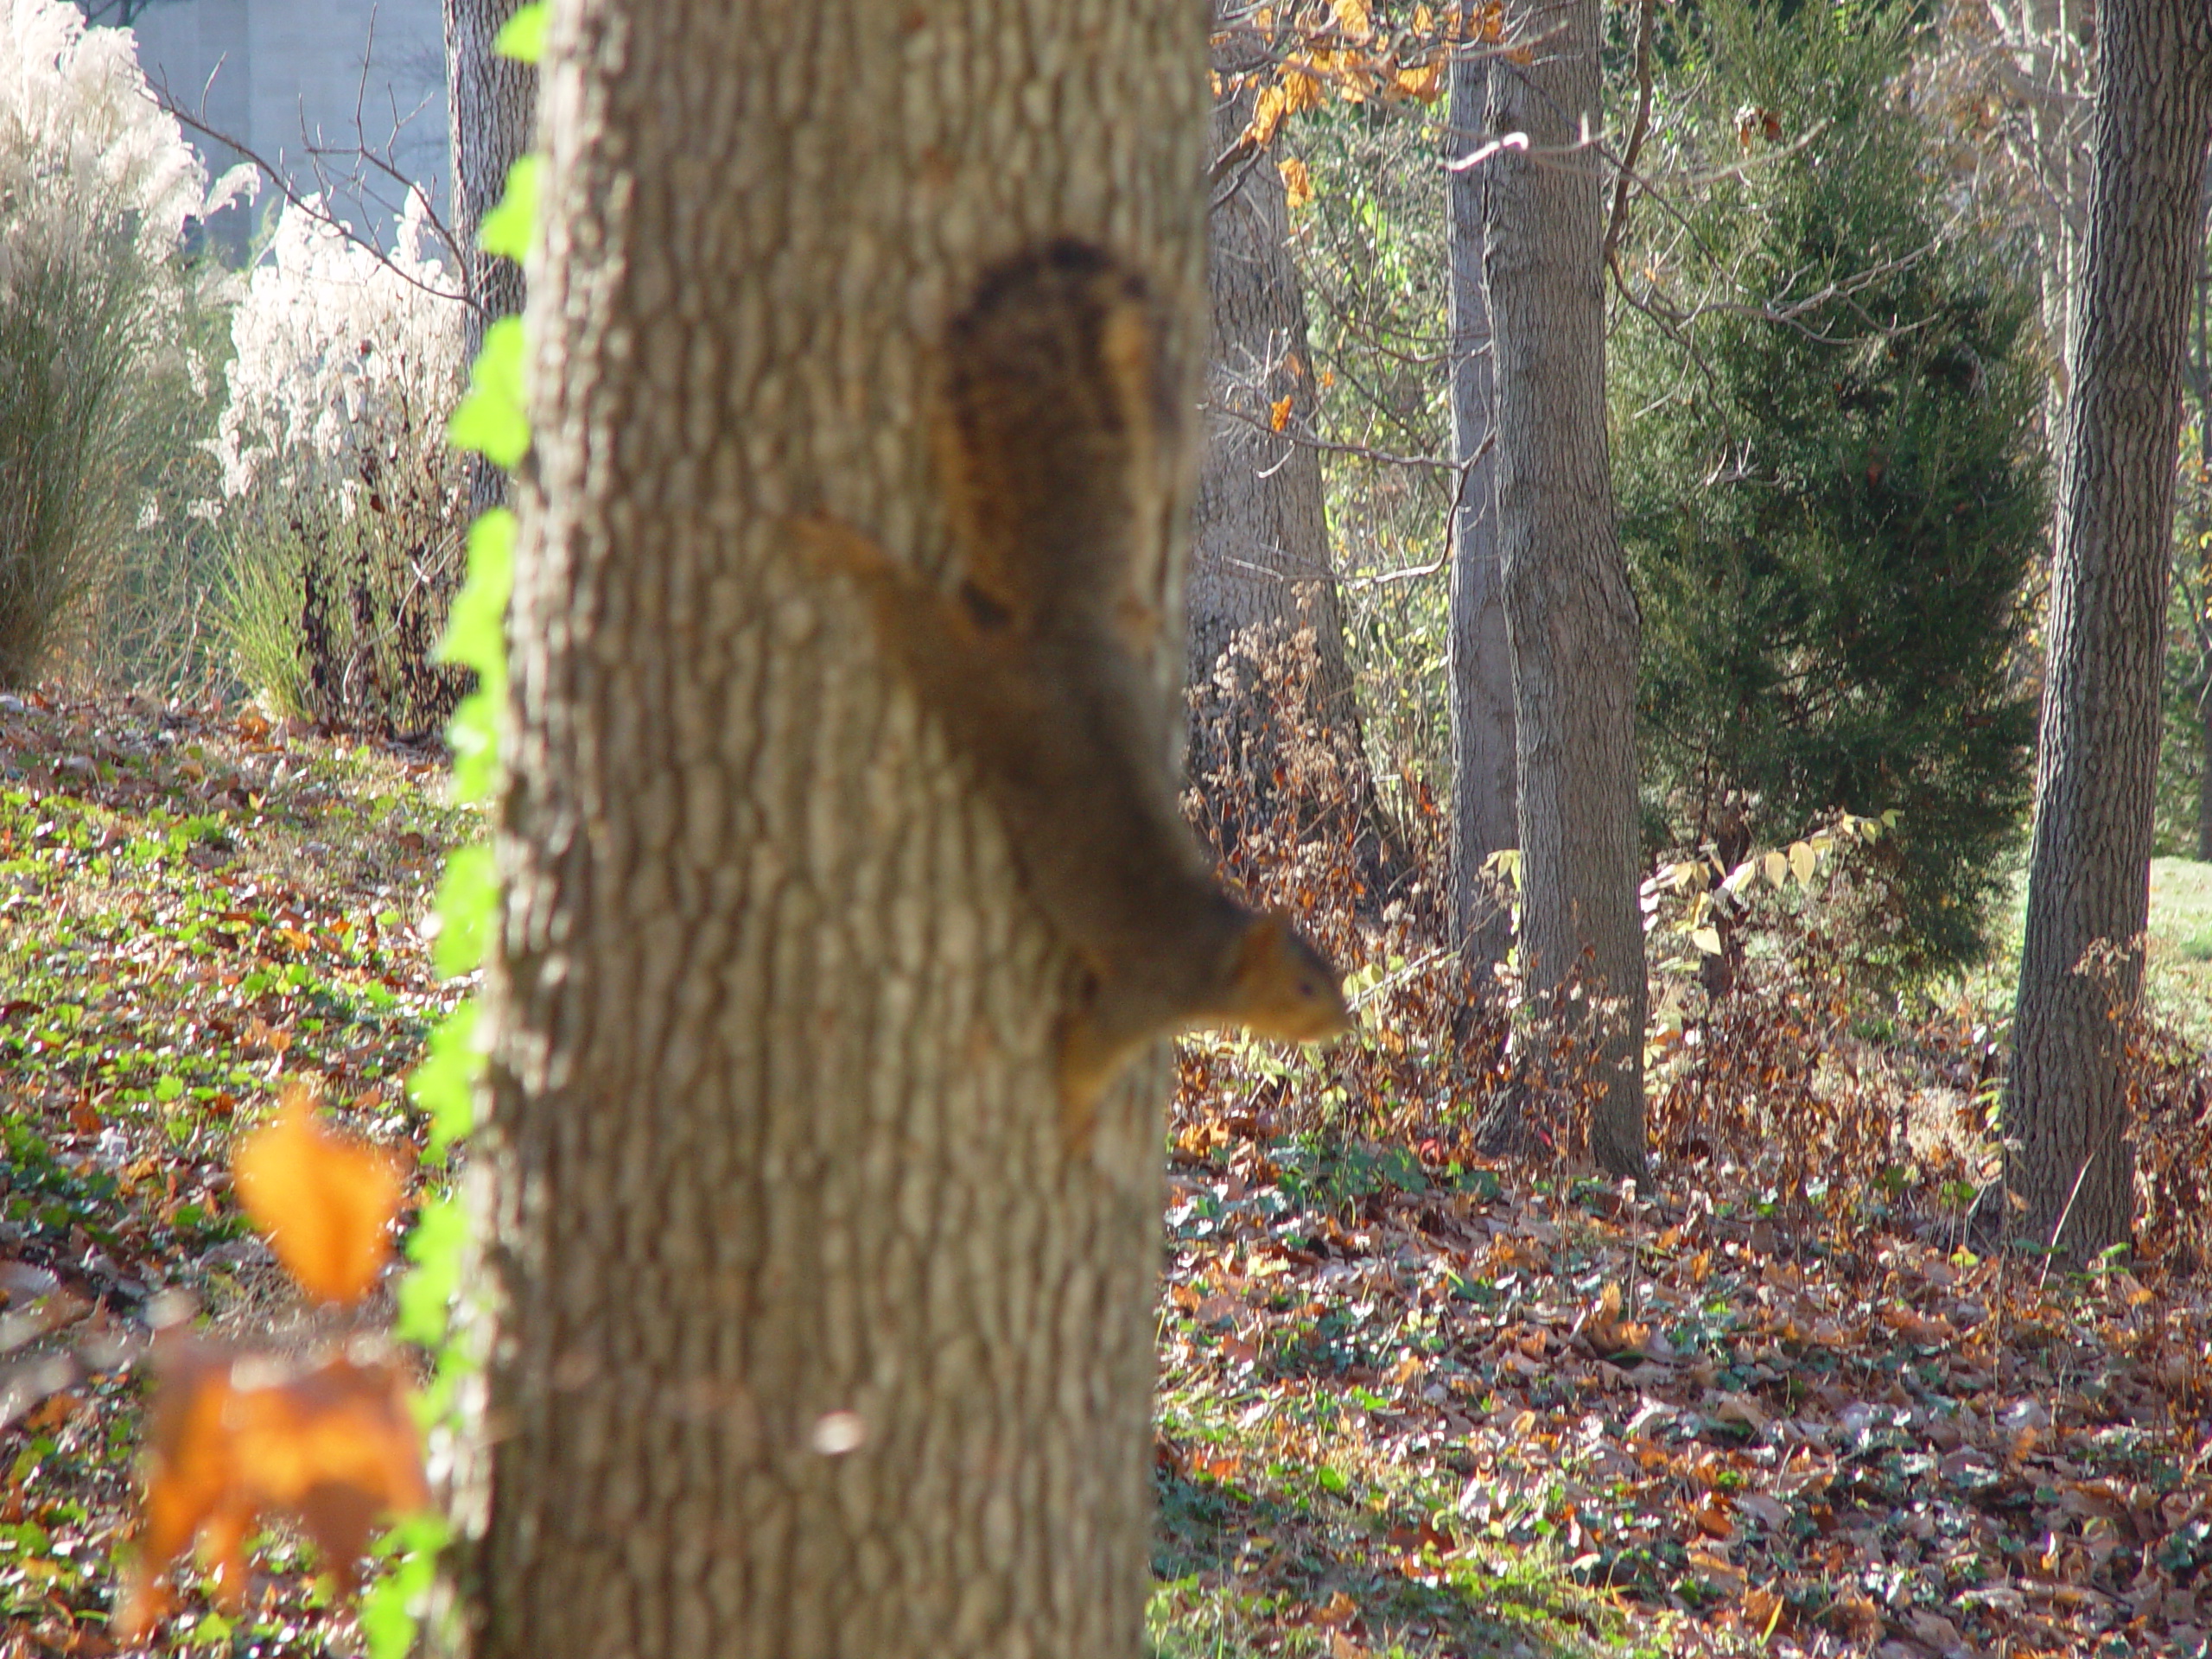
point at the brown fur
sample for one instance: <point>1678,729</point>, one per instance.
<point>1058,447</point>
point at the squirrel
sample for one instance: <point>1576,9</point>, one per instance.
<point>1057,441</point>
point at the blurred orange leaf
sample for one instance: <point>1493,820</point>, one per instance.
<point>1425,83</point>
<point>1352,18</point>
<point>1278,412</point>
<point>234,1436</point>
<point>324,1202</point>
<point>1297,183</point>
<point>1269,110</point>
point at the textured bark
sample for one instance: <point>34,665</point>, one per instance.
<point>813,1339</point>
<point>1569,612</point>
<point>1260,555</point>
<point>1484,798</point>
<point>490,104</point>
<point>2096,764</point>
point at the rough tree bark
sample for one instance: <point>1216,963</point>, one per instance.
<point>1569,612</point>
<point>1484,798</point>
<point>813,1339</point>
<point>490,101</point>
<point>1259,554</point>
<point>2066,1109</point>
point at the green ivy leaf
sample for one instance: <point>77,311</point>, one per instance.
<point>476,628</point>
<point>490,420</point>
<point>522,37</point>
<point>435,1246</point>
<point>466,898</point>
<point>392,1607</point>
<point>444,1085</point>
<point>507,229</point>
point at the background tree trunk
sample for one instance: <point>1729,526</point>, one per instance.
<point>2053,72</point>
<point>1569,612</point>
<point>1260,563</point>
<point>813,1339</point>
<point>1484,799</point>
<point>2097,761</point>
<point>490,103</point>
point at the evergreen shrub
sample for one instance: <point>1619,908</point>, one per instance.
<point>1831,488</point>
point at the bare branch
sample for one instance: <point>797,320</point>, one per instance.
<point>1617,219</point>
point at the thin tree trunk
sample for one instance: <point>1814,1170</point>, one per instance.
<point>1484,798</point>
<point>1569,612</point>
<point>490,101</point>
<point>2204,772</point>
<point>2096,766</point>
<point>814,1335</point>
<point>1260,564</point>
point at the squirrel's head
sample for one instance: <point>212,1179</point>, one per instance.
<point>1282,987</point>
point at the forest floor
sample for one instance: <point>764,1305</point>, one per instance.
<point>1411,1402</point>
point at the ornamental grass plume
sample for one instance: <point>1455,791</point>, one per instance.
<point>97,188</point>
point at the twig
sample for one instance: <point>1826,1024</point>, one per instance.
<point>1327,446</point>
<point>1638,130</point>
<point>2080,1175</point>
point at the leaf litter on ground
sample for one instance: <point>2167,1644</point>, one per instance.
<point>1412,1399</point>
<point>197,907</point>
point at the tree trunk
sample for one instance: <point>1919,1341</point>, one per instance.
<point>1569,612</point>
<point>2066,1114</point>
<point>2059,71</point>
<point>490,103</point>
<point>2204,770</point>
<point>814,1336</point>
<point>1260,566</point>
<point>1481,667</point>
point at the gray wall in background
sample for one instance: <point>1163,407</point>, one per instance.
<point>281,75</point>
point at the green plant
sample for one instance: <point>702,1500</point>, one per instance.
<point>331,609</point>
<point>1830,497</point>
<point>342,505</point>
<point>96,186</point>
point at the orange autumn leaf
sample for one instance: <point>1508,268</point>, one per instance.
<point>1425,83</point>
<point>1352,18</point>
<point>324,1202</point>
<point>235,1437</point>
<point>1269,110</point>
<point>1278,412</point>
<point>1302,89</point>
<point>1297,183</point>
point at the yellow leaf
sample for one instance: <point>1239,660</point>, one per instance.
<point>1278,412</point>
<point>1777,865</point>
<point>1425,83</point>
<point>1706,939</point>
<point>325,1202</point>
<point>1302,90</point>
<point>1802,863</point>
<point>1269,110</point>
<point>1297,184</point>
<point>1352,18</point>
<point>1424,20</point>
